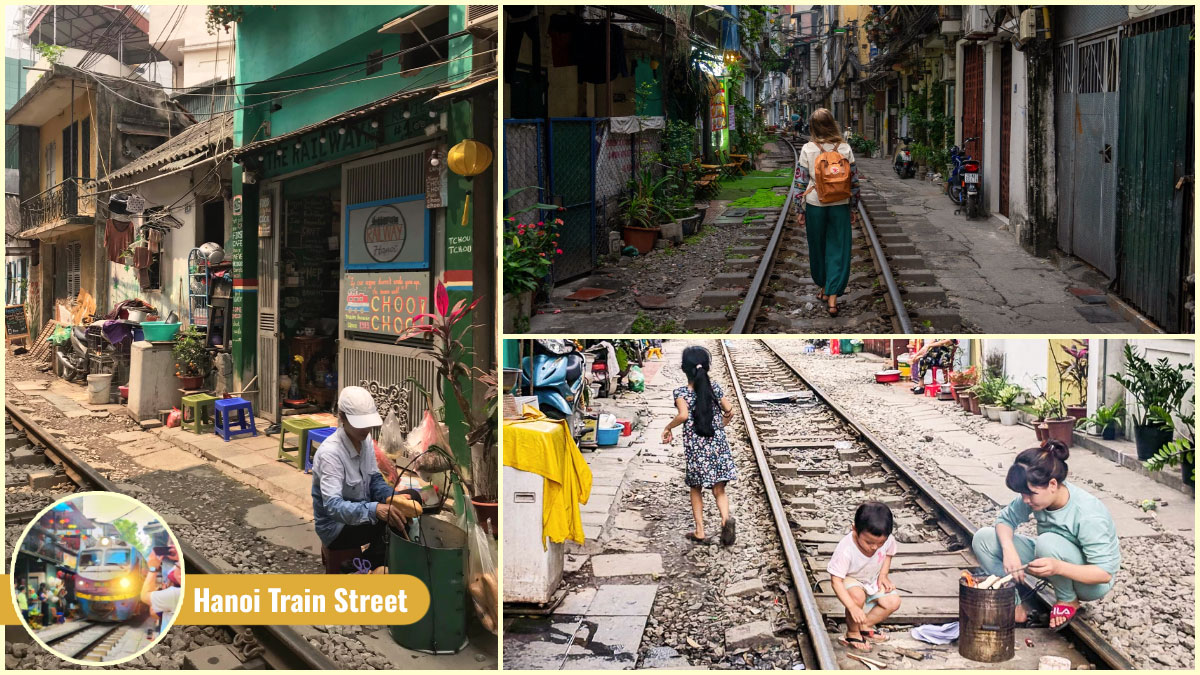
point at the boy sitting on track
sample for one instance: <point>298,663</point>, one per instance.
<point>859,569</point>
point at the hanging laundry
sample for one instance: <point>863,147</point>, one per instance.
<point>142,258</point>
<point>154,240</point>
<point>562,30</point>
<point>588,53</point>
<point>117,237</point>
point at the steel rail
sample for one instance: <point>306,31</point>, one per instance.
<point>1085,632</point>
<point>814,620</point>
<point>742,324</point>
<point>893,290</point>
<point>283,647</point>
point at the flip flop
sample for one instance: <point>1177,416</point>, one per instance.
<point>874,635</point>
<point>1061,610</point>
<point>691,536</point>
<point>729,532</point>
<point>853,642</point>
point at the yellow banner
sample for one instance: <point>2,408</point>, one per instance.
<point>302,599</point>
<point>289,600</point>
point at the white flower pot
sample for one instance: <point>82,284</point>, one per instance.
<point>992,412</point>
<point>1009,417</point>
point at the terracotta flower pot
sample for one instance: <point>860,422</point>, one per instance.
<point>641,238</point>
<point>1042,431</point>
<point>1061,429</point>
<point>194,382</point>
<point>1077,411</point>
<point>974,404</point>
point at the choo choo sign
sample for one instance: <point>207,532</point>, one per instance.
<point>384,302</point>
<point>388,235</point>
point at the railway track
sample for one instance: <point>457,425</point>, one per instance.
<point>817,465</point>
<point>275,647</point>
<point>781,297</point>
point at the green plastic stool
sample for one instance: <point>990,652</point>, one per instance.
<point>297,426</point>
<point>202,407</point>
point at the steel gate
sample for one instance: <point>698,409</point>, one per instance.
<point>1156,138</point>
<point>524,166</point>
<point>1005,124</point>
<point>973,101</point>
<point>1094,228</point>
<point>573,179</point>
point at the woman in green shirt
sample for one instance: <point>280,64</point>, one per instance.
<point>1076,549</point>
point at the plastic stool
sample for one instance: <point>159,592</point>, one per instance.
<point>298,426</point>
<point>201,407</point>
<point>245,418</point>
<point>655,352</point>
<point>317,436</point>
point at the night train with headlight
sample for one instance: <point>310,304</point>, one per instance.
<point>108,581</point>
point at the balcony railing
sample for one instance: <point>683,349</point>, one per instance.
<point>72,198</point>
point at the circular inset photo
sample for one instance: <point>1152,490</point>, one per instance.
<point>97,578</point>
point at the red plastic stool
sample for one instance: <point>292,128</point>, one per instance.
<point>935,386</point>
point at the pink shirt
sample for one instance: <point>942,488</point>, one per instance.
<point>849,562</point>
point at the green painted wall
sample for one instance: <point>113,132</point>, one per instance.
<point>14,88</point>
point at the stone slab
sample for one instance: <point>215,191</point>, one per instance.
<point>606,643</point>
<point>627,564</point>
<point>623,600</point>
<point>577,601</point>
<point>171,459</point>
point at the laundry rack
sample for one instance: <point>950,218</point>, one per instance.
<point>210,291</point>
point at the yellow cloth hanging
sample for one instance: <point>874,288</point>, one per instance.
<point>545,447</point>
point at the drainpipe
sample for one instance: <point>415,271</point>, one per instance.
<point>608,63</point>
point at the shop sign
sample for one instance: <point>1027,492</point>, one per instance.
<point>388,234</point>
<point>264,214</point>
<point>335,141</point>
<point>435,178</point>
<point>384,302</point>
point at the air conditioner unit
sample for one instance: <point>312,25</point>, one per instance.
<point>977,22</point>
<point>482,17</point>
<point>1028,28</point>
<point>947,67</point>
<point>1142,10</point>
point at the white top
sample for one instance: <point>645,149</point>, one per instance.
<point>849,562</point>
<point>808,155</point>
<point>165,601</point>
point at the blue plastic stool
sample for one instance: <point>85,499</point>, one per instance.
<point>244,410</point>
<point>317,436</point>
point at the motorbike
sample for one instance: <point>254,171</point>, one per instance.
<point>72,358</point>
<point>601,369</point>
<point>903,164</point>
<point>965,183</point>
<point>555,374</point>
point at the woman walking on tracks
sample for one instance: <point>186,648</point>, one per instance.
<point>828,177</point>
<point>709,462</point>
<point>1076,550</point>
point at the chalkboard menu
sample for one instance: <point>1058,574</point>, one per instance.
<point>16,326</point>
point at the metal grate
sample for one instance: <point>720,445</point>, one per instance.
<point>1065,67</point>
<point>476,12</point>
<point>268,355</point>
<point>572,177</point>
<point>523,167</point>
<point>396,176</point>
<point>1092,71</point>
<point>388,366</point>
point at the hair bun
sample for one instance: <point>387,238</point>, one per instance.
<point>1058,449</point>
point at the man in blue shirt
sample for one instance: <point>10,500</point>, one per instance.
<point>351,500</point>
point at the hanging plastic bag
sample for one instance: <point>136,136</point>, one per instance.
<point>428,434</point>
<point>481,572</point>
<point>637,381</point>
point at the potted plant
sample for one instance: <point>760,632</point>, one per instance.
<point>961,381</point>
<point>192,360</point>
<point>530,247</point>
<point>642,212</point>
<point>1105,421</point>
<point>1074,370</point>
<point>1182,450</point>
<point>1162,385</point>
<point>1044,408</point>
<point>1006,398</point>
<point>989,392</point>
<point>1060,426</point>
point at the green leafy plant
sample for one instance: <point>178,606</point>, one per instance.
<point>863,145</point>
<point>643,206</point>
<point>129,533</point>
<point>1007,396</point>
<point>989,388</point>
<point>1104,416</point>
<point>1154,385</point>
<point>1048,408</point>
<point>451,358</point>
<point>52,53</point>
<point>191,357</point>
<point>529,247</point>
<point>1180,449</point>
<point>221,16</point>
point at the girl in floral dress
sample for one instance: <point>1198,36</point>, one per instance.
<point>709,461</point>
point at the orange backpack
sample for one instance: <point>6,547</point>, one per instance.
<point>831,176</point>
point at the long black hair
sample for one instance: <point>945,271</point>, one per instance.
<point>696,363</point>
<point>1036,466</point>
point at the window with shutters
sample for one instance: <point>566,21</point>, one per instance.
<point>74,253</point>
<point>85,149</point>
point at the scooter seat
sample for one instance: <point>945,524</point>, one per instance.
<point>574,366</point>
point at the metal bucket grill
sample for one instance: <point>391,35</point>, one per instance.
<point>986,623</point>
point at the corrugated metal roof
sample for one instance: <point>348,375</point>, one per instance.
<point>358,112</point>
<point>197,138</point>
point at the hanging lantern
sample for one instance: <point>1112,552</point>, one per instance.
<point>469,158</point>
